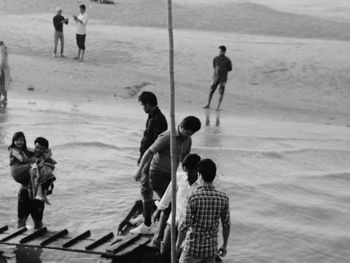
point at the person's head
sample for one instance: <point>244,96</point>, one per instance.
<point>148,100</point>
<point>82,9</point>
<point>222,50</point>
<point>190,162</point>
<point>207,170</point>
<point>41,145</point>
<point>59,10</point>
<point>19,141</point>
<point>189,126</point>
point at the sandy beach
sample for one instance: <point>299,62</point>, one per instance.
<point>286,109</point>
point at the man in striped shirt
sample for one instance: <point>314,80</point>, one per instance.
<point>204,209</point>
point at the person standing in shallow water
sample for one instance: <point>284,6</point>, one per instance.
<point>222,65</point>
<point>58,21</point>
<point>81,21</point>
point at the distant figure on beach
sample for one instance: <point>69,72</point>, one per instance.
<point>186,183</point>
<point>222,65</point>
<point>205,208</point>
<point>58,21</point>
<point>160,169</point>
<point>81,21</point>
<point>155,125</point>
<point>42,173</point>
<point>21,159</point>
<point>5,75</point>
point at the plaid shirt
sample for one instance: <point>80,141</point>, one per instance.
<point>204,208</point>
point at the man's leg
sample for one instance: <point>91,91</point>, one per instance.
<point>165,246</point>
<point>213,87</point>
<point>147,196</point>
<point>55,43</point>
<point>160,182</point>
<point>37,211</point>
<point>83,37</point>
<point>22,207</point>
<point>78,44</point>
<point>221,91</point>
<point>62,43</point>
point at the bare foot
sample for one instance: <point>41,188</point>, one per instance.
<point>76,58</point>
<point>206,106</point>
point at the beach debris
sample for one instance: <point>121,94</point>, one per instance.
<point>135,89</point>
<point>30,88</point>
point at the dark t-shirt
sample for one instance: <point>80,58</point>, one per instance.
<point>57,22</point>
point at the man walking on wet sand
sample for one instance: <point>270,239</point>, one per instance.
<point>81,21</point>
<point>222,65</point>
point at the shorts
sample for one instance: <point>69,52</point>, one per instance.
<point>27,206</point>
<point>81,41</point>
<point>217,83</point>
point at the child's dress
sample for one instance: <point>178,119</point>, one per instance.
<point>19,165</point>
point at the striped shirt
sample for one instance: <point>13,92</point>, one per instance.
<point>204,209</point>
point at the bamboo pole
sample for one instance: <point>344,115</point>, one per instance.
<point>173,131</point>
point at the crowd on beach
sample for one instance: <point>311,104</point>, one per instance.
<point>200,207</point>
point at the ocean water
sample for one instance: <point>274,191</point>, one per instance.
<point>288,182</point>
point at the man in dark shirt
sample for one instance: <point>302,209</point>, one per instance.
<point>155,125</point>
<point>58,21</point>
<point>222,65</point>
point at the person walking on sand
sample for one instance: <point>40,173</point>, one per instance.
<point>205,208</point>
<point>155,125</point>
<point>81,21</point>
<point>5,75</point>
<point>222,65</point>
<point>58,21</point>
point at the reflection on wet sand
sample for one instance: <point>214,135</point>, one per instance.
<point>217,119</point>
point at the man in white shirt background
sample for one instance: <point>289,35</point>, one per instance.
<point>81,21</point>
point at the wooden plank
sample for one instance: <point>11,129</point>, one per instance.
<point>77,239</point>
<point>124,243</point>
<point>54,237</point>
<point>3,229</point>
<point>100,241</point>
<point>17,233</point>
<point>34,235</point>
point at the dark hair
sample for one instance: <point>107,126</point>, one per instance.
<point>42,141</point>
<point>82,6</point>
<point>207,168</point>
<point>191,123</point>
<point>15,137</point>
<point>148,97</point>
<point>191,161</point>
<point>222,48</point>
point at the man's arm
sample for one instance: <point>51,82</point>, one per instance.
<point>226,225</point>
<point>145,159</point>
<point>229,65</point>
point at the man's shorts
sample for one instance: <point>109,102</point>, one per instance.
<point>217,83</point>
<point>81,41</point>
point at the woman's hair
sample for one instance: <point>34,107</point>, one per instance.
<point>15,137</point>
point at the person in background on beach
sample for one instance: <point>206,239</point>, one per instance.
<point>5,75</point>
<point>160,169</point>
<point>201,224</point>
<point>222,65</point>
<point>58,21</point>
<point>186,183</point>
<point>42,173</point>
<point>81,21</point>
<point>155,125</point>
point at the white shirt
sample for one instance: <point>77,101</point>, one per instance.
<point>81,27</point>
<point>183,190</point>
